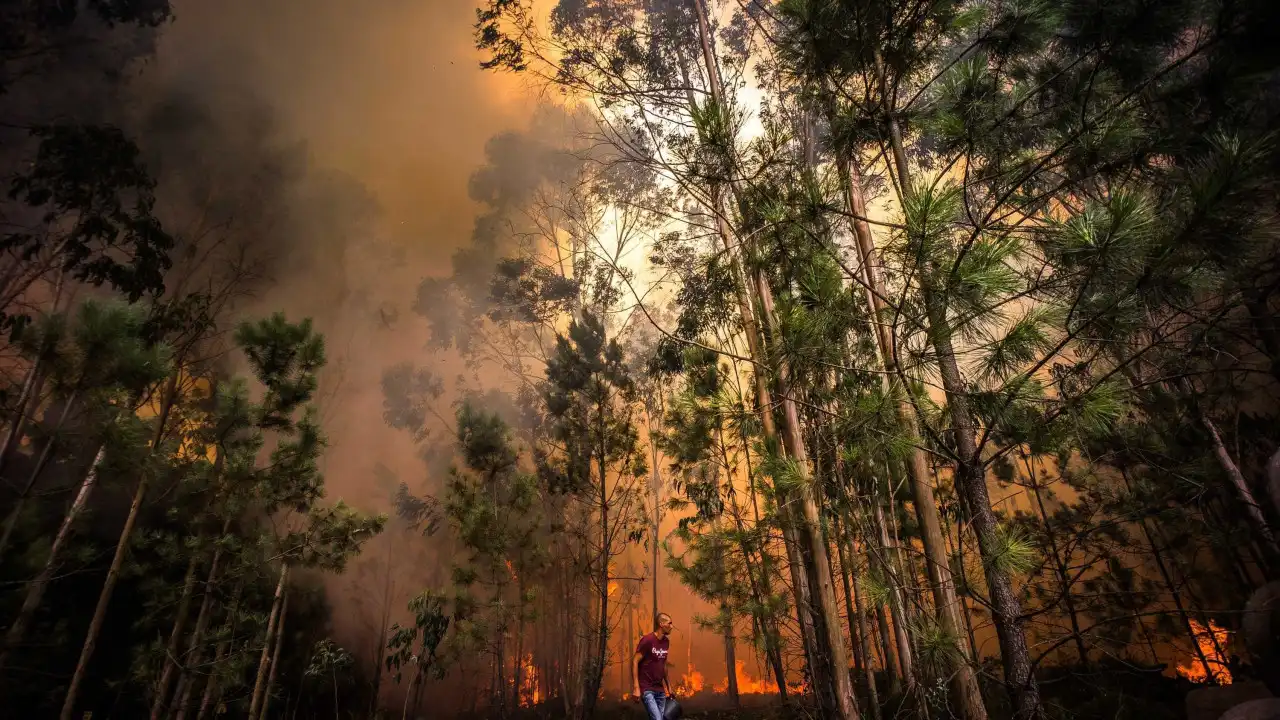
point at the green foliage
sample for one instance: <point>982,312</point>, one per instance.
<point>1009,551</point>
<point>789,476</point>
<point>419,643</point>
<point>285,358</point>
<point>328,659</point>
<point>96,202</point>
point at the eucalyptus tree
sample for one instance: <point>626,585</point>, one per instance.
<point>90,202</point>
<point>329,658</point>
<point>418,645</point>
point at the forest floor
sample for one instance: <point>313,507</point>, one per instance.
<point>1108,691</point>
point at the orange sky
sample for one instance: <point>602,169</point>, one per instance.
<point>388,94</point>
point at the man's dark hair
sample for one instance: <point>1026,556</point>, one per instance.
<point>657,619</point>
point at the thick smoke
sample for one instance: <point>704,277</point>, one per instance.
<point>326,147</point>
<point>350,160</point>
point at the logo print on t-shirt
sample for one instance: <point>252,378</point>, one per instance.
<point>660,652</point>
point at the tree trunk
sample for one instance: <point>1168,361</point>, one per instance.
<point>1228,465</point>
<point>891,664</point>
<point>203,617</point>
<point>11,520</point>
<point>768,623</point>
<point>972,486</point>
<point>13,435</point>
<point>500,695</point>
<point>730,656</point>
<point>1059,566</point>
<point>873,698</point>
<point>264,661</point>
<point>117,560</point>
<point>892,578</point>
<point>28,402</point>
<point>800,584</point>
<point>275,659</point>
<point>336,714</point>
<point>1265,325</point>
<point>212,692</point>
<point>809,497</point>
<point>517,672</point>
<point>36,588</point>
<point>595,674</point>
<point>408,694</point>
<point>966,693</point>
<point>757,595</point>
<point>1174,593</point>
<point>657,512</point>
<point>859,660</point>
<point>380,652</point>
<point>172,648</point>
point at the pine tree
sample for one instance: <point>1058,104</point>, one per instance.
<point>592,407</point>
<point>108,364</point>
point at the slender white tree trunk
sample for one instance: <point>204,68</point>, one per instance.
<point>275,657</point>
<point>36,588</point>
<point>175,641</point>
<point>264,662</point>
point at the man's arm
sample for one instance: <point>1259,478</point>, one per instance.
<point>635,673</point>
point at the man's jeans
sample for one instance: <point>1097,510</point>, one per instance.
<point>655,701</point>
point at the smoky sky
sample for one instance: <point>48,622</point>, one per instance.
<point>354,128</point>
<point>387,91</point>
<point>339,139</point>
<point>357,150</point>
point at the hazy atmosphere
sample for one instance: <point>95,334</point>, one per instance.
<point>639,359</point>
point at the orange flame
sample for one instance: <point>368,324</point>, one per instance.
<point>511,569</point>
<point>1210,640</point>
<point>691,684</point>
<point>613,587</point>
<point>748,685</point>
<point>530,688</point>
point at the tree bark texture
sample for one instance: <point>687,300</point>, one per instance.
<point>264,661</point>
<point>37,587</point>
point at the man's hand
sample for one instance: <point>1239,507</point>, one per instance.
<point>635,693</point>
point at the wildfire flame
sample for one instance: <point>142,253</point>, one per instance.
<point>530,689</point>
<point>1210,640</point>
<point>691,684</point>
<point>748,685</point>
<point>613,587</point>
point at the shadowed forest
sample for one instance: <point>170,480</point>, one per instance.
<point>405,359</point>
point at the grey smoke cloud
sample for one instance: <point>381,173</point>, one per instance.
<point>358,150</point>
<point>333,142</point>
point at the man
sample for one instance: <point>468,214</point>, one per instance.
<point>650,666</point>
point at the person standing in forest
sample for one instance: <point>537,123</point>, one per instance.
<point>650,665</point>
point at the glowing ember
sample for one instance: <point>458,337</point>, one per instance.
<point>1209,640</point>
<point>613,587</point>
<point>511,569</point>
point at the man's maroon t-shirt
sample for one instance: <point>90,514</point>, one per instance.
<point>653,662</point>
